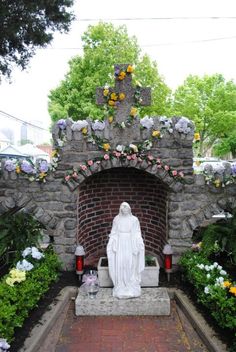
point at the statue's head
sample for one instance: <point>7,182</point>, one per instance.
<point>125,208</point>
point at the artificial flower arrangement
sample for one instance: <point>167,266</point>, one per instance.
<point>35,172</point>
<point>220,174</point>
<point>129,153</point>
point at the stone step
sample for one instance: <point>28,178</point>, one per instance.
<point>153,301</point>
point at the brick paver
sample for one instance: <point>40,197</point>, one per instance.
<point>128,333</point>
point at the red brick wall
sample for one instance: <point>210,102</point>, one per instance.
<point>100,197</point>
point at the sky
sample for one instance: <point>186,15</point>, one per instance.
<point>180,47</point>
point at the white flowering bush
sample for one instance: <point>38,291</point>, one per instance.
<point>213,287</point>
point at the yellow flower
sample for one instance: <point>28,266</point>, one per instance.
<point>217,183</point>
<point>54,153</point>
<point>227,284</point>
<point>114,96</point>
<point>121,96</point>
<point>84,130</point>
<point>233,290</point>
<point>121,75</point>
<point>133,112</point>
<point>111,102</point>
<point>18,169</point>
<point>42,175</point>
<point>130,69</point>
<point>106,92</point>
<point>106,146</point>
<point>197,136</point>
<point>110,119</point>
<point>156,133</point>
<point>10,281</point>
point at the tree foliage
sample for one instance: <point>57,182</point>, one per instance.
<point>28,24</point>
<point>103,46</point>
<point>210,102</point>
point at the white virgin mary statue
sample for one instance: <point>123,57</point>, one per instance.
<point>125,252</point>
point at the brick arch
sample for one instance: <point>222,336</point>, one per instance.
<point>99,199</point>
<point>19,201</point>
<point>206,213</point>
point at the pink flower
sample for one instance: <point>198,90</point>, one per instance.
<point>150,157</point>
<point>90,162</point>
<point>159,161</point>
<point>134,156</point>
<point>159,166</point>
<point>117,154</point>
<point>167,168</point>
<point>181,174</point>
<point>174,173</point>
<point>106,157</point>
<point>129,157</point>
<point>83,167</point>
<point>67,178</point>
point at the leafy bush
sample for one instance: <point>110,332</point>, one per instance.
<point>18,231</point>
<point>221,238</point>
<point>213,287</point>
<point>18,300</point>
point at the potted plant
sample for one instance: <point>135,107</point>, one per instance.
<point>149,277</point>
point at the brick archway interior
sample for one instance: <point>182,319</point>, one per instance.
<point>100,197</point>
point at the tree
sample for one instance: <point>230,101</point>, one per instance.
<point>28,24</point>
<point>210,102</point>
<point>104,45</point>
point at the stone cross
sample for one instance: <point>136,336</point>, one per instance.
<point>122,112</point>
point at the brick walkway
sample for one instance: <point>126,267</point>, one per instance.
<point>128,334</point>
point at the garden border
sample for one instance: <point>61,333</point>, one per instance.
<point>48,320</point>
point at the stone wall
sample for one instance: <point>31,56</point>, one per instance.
<point>82,208</point>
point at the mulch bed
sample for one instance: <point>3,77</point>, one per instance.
<point>71,279</point>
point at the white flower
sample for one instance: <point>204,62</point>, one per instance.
<point>122,125</point>
<point>223,272</point>
<point>26,252</point>
<point>98,125</point>
<point>24,265</point>
<point>200,266</point>
<point>147,122</point>
<point>134,148</point>
<point>120,148</point>
<point>208,276</point>
<point>36,254</point>
<point>147,144</point>
<point>206,290</point>
<point>4,345</point>
<point>219,281</point>
<point>60,142</point>
<point>167,123</point>
<point>79,125</point>
<point>182,125</point>
<point>215,264</point>
<point>207,267</point>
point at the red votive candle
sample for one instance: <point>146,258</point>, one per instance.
<point>168,261</point>
<point>79,264</point>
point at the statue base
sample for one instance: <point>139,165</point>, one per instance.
<point>153,301</point>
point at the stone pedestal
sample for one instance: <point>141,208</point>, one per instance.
<point>153,301</point>
<point>149,277</point>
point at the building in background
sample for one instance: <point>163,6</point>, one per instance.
<point>20,132</point>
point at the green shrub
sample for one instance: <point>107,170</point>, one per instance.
<point>18,231</point>
<point>17,301</point>
<point>221,238</point>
